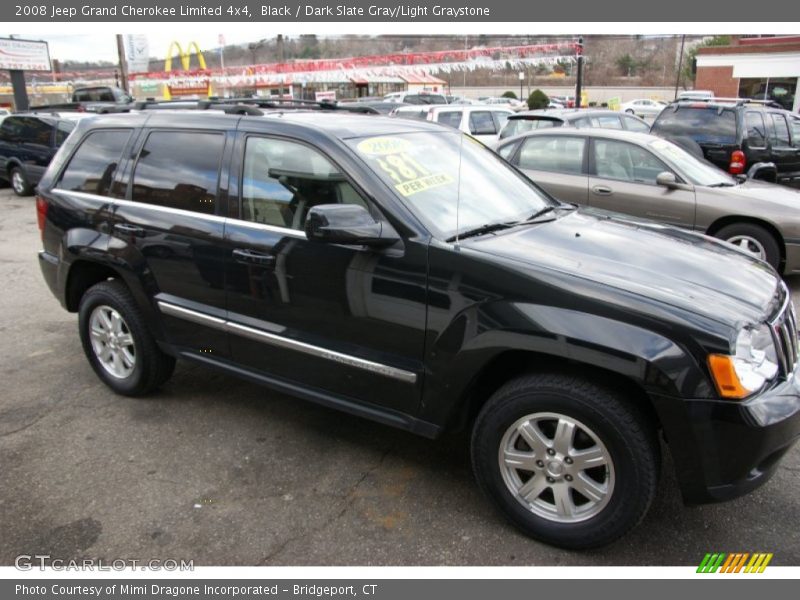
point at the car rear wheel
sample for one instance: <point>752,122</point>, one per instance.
<point>19,183</point>
<point>569,462</point>
<point>753,239</point>
<point>118,344</point>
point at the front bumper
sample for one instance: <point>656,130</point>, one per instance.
<point>723,449</point>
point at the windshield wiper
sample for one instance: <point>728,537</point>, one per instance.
<point>722,184</point>
<point>549,209</point>
<point>488,228</point>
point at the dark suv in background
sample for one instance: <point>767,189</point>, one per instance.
<point>28,143</point>
<point>736,134</point>
<point>398,270</point>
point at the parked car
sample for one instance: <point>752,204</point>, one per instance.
<point>643,107</point>
<point>695,95</point>
<point>415,98</point>
<point>512,103</point>
<point>481,121</point>
<point>397,270</point>
<point>459,100</point>
<point>649,177</point>
<point>735,134</point>
<point>28,142</point>
<point>380,106</point>
<point>547,118</point>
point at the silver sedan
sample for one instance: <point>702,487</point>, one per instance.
<point>649,177</point>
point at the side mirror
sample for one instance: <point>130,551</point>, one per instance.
<point>668,180</point>
<point>348,224</point>
<point>764,171</point>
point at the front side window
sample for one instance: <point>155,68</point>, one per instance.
<point>179,169</point>
<point>91,169</point>
<point>636,125</point>
<point>451,118</point>
<point>481,123</point>
<point>756,131</point>
<point>451,181</point>
<point>559,154</point>
<point>283,180</point>
<point>626,162</point>
<point>36,131</point>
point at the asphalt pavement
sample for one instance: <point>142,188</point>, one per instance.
<point>223,472</point>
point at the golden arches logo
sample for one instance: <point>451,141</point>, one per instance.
<point>185,57</point>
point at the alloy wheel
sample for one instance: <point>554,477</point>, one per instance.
<point>112,341</point>
<point>556,467</point>
<point>749,245</point>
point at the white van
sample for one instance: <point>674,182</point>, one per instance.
<point>482,122</point>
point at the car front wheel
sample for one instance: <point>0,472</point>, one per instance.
<point>753,239</point>
<point>567,461</point>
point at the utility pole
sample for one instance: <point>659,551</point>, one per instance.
<point>680,66</point>
<point>579,77</point>
<point>123,64</point>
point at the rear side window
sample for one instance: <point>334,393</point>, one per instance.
<point>481,123</point>
<point>451,118</point>
<point>780,135</point>
<point>91,169</point>
<point>556,154</point>
<point>35,131</point>
<point>11,129</point>
<point>756,131</point>
<point>179,169</point>
<point>701,124</point>
<point>515,126</point>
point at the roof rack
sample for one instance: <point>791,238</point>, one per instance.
<point>248,106</point>
<point>727,100</point>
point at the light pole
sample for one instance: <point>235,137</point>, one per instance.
<point>521,81</point>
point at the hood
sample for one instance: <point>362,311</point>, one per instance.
<point>679,268</point>
<point>780,196</point>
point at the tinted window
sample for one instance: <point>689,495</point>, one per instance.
<point>636,125</point>
<point>91,169</point>
<point>63,129</point>
<point>620,160</point>
<point>796,132</point>
<point>701,124</point>
<point>451,118</point>
<point>11,129</point>
<point>179,170</point>
<point>780,136</point>
<point>756,131</point>
<point>283,180</point>
<point>424,99</point>
<point>559,154</point>
<point>35,131</point>
<point>481,123</point>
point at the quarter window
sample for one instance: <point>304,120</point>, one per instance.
<point>91,169</point>
<point>626,162</point>
<point>635,125</point>
<point>179,170</point>
<point>756,131</point>
<point>558,154</point>
<point>283,180</point>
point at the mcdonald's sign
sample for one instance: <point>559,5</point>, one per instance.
<point>735,562</point>
<point>199,87</point>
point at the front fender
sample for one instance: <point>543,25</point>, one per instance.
<point>481,333</point>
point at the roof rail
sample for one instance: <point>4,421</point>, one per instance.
<point>247,106</point>
<point>730,100</point>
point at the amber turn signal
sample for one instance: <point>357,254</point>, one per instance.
<point>725,377</point>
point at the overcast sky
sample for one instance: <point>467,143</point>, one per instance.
<point>97,46</point>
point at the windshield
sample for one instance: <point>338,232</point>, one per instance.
<point>450,195</point>
<point>701,124</point>
<point>697,171</point>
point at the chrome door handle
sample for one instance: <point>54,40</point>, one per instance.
<point>602,190</point>
<point>129,229</point>
<point>250,257</point>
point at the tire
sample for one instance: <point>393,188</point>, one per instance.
<point>623,437</point>
<point>19,182</point>
<point>141,366</point>
<point>756,239</point>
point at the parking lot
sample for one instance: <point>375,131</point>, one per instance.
<point>224,472</point>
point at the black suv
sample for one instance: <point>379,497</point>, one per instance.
<point>28,143</point>
<point>401,271</point>
<point>737,134</point>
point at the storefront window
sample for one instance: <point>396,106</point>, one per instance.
<point>780,90</point>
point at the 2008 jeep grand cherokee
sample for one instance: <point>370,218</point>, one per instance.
<point>403,272</point>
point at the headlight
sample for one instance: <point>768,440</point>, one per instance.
<point>754,362</point>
